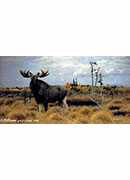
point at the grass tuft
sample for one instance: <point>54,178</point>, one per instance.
<point>102,117</point>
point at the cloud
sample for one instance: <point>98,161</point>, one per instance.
<point>62,68</point>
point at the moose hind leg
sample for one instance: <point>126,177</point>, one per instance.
<point>65,102</point>
<point>60,103</point>
<point>46,106</point>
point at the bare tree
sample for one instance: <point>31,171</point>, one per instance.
<point>92,74</point>
<point>97,76</point>
<point>101,86</point>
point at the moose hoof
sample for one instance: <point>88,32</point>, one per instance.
<point>19,121</point>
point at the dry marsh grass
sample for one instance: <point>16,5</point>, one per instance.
<point>102,117</point>
<point>113,111</point>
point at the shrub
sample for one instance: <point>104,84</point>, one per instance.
<point>71,121</point>
<point>17,115</point>
<point>2,100</point>
<point>114,107</point>
<point>8,101</point>
<point>117,101</point>
<point>121,120</point>
<point>127,98</point>
<point>31,115</point>
<point>17,104</point>
<point>74,115</point>
<point>102,117</point>
<point>4,110</point>
<point>54,118</point>
<point>84,111</point>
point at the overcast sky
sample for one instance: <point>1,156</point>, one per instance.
<point>116,70</point>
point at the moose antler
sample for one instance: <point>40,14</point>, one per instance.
<point>43,73</point>
<point>26,74</point>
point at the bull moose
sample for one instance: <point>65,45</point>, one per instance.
<point>43,92</point>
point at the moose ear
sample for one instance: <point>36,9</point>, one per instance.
<point>38,74</point>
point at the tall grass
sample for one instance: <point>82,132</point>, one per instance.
<point>14,109</point>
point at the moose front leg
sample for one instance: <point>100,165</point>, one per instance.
<point>40,107</point>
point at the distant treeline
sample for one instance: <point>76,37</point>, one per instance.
<point>80,89</point>
<point>16,91</point>
<point>106,90</point>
